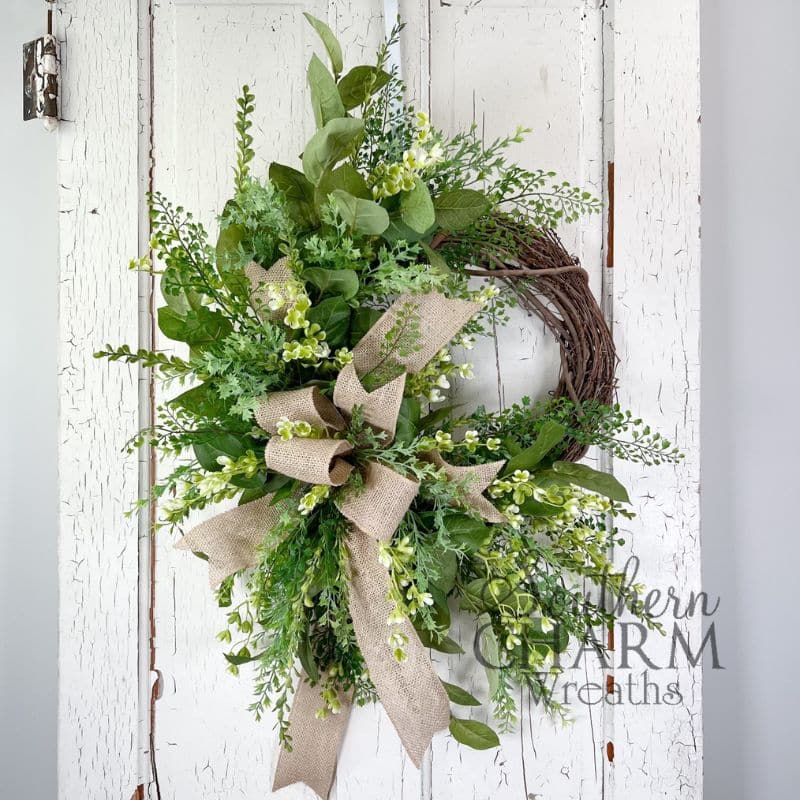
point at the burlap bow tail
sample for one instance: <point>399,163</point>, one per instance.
<point>410,691</point>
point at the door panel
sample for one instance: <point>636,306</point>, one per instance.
<point>598,81</point>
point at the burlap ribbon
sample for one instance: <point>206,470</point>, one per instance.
<point>410,690</point>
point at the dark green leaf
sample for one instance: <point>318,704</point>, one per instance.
<point>306,656</point>
<point>447,563</point>
<point>196,328</point>
<point>416,208</point>
<point>330,42</point>
<point>533,508</point>
<point>360,83</point>
<point>212,447</point>
<point>333,281</point>
<point>363,319</point>
<point>298,192</point>
<point>407,420</point>
<point>442,644</point>
<point>248,495</point>
<point>434,418</point>
<point>459,208</point>
<point>363,216</point>
<point>441,610</point>
<point>344,177</point>
<point>460,696</point>
<point>566,472</point>
<point>550,434</point>
<point>325,98</point>
<point>329,145</point>
<point>333,316</point>
<point>242,657</point>
<point>202,401</point>
<point>473,734</point>
<point>467,532</point>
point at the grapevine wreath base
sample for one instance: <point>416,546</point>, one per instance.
<point>317,343</point>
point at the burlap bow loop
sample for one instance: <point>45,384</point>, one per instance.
<point>476,481</point>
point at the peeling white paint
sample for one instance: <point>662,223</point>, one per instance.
<point>596,80</point>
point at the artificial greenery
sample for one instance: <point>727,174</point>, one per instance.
<point>356,224</point>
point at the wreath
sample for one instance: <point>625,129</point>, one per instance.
<point>324,330</point>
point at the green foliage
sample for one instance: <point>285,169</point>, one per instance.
<point>356,227</point>
<point>244,140</point>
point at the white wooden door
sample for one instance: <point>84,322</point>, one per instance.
<point>145,707</point>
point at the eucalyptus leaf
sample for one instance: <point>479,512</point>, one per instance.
<point>343,282</point>
<point>459,208</point>
<point>363,216</point>
<point>360,83</point>
<point>447,563</point>
<point>473,734</point>
<point>325,98</point>
<point>459,696</point>
<point>398,231</point>
<point>329,145</point>
<point>329,41</point>
<point>550,434</point>
<point>416,208</point>
<point>333,316</point>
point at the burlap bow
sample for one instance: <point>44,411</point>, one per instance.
<point>410,691</point>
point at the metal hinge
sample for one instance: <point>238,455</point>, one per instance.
<point>40,63</point>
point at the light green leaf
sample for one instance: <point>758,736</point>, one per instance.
<point>330,42</point>
<point>360,83</point>
<point>227,250</point>
<point>333,281</point>
<point>460,696</point>
<point>473,734</point>
<point>550,434</point>
<point>588,478</point>
<point>447,564</point>
<point>459,208</point>
<point>399,231</point>
<point>436,260</point>
<point>489,651</point>
<point>416,208</point>
<point>325,98</point>
<point>333,316</point>
<point>329,145</point>
<point>363,216</point>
